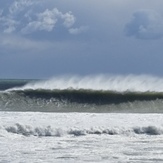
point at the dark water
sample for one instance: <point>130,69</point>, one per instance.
<point>11,83</point>
<point>84,96</point>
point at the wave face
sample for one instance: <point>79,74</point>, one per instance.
<point>141,94</point>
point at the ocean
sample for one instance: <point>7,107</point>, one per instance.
<point>102,118</point>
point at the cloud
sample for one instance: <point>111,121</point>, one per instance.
<point>20,5</point>
<point>145,24</point>
<point>27,16</point>
<point>68,18</point>
<point>8,24</point>
<point>8,16</point>
<point>78,30</point>
<point>47,20</point>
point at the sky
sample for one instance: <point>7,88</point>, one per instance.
<point>45,38</point>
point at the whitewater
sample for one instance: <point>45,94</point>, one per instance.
<point>102,118</point>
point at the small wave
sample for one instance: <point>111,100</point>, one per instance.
<point>49,131</point>
<point>150,130</point>
<point>28,130</point>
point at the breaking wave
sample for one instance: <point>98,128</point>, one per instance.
<point>49,131</point>
<point>142,94</point>
<point>70,100</point>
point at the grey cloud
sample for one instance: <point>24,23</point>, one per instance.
<point>145,24</point>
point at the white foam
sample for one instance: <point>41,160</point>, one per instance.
<point>118,83</point>
<point>80,137</point>
<point>58,124</point>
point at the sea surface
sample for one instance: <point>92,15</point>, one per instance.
<point>102,118</point>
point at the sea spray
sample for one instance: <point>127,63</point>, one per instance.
<point>119,83</point>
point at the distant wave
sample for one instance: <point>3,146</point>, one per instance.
<point>27,130</point>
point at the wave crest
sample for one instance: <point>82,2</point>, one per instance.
<point>49,131</point>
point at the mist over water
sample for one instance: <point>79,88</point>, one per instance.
<point>119,83</point>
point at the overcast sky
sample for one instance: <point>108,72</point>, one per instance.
<point>44,38</point>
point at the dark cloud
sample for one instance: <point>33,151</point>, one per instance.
<point>145,24</point>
